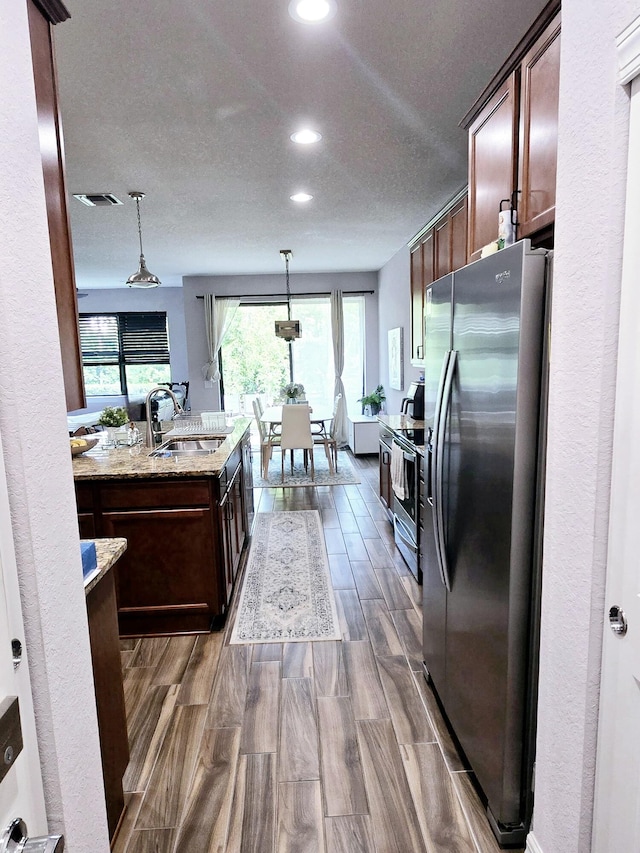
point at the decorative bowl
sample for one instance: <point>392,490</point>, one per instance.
<point>90,441</point>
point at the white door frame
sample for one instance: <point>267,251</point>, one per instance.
<point>21,791</point>
<point>616,824</point>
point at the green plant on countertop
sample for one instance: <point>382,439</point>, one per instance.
<point>374,400</point>
<point>113,416</point>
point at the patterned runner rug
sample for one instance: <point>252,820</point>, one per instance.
<point>286,592</point>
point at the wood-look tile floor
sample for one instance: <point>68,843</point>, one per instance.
<point>327,747</point>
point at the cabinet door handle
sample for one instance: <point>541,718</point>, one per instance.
<point>514,206</point>
<point>386,457</point>
<point>420,351</point>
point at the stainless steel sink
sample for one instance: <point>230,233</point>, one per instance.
<point>187,447</point>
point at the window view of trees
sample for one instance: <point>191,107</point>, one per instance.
<point>255,362</point>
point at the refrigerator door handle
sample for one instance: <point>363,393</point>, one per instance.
<point>433,467</point>
<point>439,489</point>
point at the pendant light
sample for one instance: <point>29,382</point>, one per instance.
<point>288,329</point>
<point>141,278</point>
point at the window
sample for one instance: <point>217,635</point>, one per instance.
<point>313,353</point>
<point>256,363</point>
<point>124,354</point>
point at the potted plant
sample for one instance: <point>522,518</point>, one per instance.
<point>113,417</point>
<point>374,400</point>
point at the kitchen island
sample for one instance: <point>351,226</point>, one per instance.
<point>107,674</point>
<point>186,520</point>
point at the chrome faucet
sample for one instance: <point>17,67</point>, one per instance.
<point>177,409</point>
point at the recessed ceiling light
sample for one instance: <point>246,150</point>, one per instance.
<point>301,197</point>
<point>312,11</point>
<point>306,136</point>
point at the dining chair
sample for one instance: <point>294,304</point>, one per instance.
<point>267,441</point>
<point>296,435</point>
<point>326,436</point>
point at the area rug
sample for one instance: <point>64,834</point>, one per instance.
<point>344,476</point>
<point>286,591</point>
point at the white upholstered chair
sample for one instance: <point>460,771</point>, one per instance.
<point>267,441</point>
<point>296,434</point>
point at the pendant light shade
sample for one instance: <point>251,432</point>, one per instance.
<point>142,277</point>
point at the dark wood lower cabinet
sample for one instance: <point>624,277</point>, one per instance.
<point>385,477</point>
<point>107,679</point>
<point>185,537</point>
<point>168,577</point>
<point>233,522</point>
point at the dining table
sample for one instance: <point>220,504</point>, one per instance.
<point>272,419</point>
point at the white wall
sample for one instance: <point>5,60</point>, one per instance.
<point>169,299</point>
<point>590,199</point>
<point>38,465</point>
<point>394,309</point>
<point>206,399</point>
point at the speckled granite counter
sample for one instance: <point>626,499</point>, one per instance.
<point>413,431</point>
<point>108,551</point>
<point>134,462</point>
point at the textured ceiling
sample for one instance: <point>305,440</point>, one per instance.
<point>193,102</point>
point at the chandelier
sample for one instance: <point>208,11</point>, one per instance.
<point>141,278</point>
<point>288,329</point>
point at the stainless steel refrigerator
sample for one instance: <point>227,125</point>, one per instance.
<point>485,383</point>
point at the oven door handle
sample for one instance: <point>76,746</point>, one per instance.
<point>404,533</point>
<point>438,494</point>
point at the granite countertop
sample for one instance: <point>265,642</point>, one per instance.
<point>108,551</point>
<point>102,463</point>
<point>411,430</point>
<point>400,423</point>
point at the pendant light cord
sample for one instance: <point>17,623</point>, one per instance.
<point>286,261</point>
<point>139,226</point>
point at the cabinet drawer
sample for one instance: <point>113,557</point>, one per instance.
<point>150,494</point>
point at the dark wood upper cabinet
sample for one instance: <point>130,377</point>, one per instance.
<point>440,248</point>
<point>450,234</point>
<point>458,218</point>
<point>428,261</point>
<point>417,297</point>
<point>42,16</point>
<point>493,147</point>
<point>539,85</point>
<point>513,138</point>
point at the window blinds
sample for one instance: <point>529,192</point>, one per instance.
<point>131,338</point>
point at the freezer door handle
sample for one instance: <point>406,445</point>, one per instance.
<point>433,467</point>
<point>438,494</point>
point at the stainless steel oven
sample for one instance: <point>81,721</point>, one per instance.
<point>406,510</point>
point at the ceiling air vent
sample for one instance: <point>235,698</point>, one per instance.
<point>97,199</point>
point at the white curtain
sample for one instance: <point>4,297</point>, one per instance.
<point>218,314</point>
<point>340,424</point>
